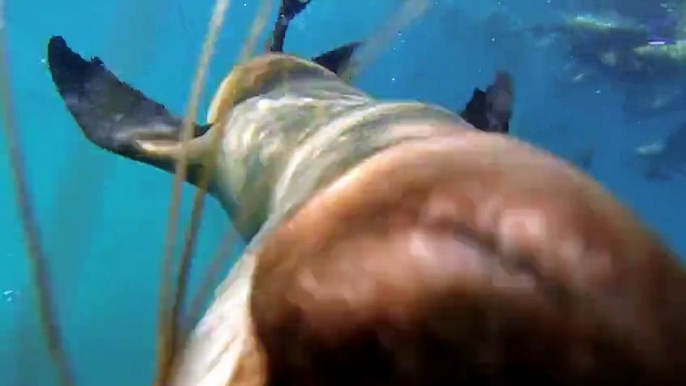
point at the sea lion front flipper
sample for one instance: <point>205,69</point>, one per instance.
<point>288,10</point>
<point>491,110</point>
<point>475,110</point>
<point>113,115</point>
<point>338,59</point>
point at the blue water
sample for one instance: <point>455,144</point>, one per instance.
<point>104,217</point>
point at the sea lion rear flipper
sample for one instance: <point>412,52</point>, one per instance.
<point>338,59</point>
<point>110,113</point>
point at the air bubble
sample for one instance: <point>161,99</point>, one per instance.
<point>10,296</point>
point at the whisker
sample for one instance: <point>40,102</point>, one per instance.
<point>410,11</point>
<point>258,27</point>
<point>167,321</point>
<point>179,327</point>
<point>31,229</point>
<point>209,282</point>
<point>179,334</point>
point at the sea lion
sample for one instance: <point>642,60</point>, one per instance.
<point>392,243</point>
<point>664,159</point>
<point>591,35</point>
<point>623,54</point>
<point>666,59</point>
<point>602,45</point>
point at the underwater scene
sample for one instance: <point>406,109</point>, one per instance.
<point>371,192</point>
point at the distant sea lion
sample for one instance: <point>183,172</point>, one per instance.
<point>391,243</point>
<point>665,159</point>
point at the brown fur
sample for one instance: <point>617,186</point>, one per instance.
<point>250,370</point>
<point>397,275</point>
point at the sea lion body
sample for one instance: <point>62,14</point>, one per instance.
<point>391,243</point>
<point>304,130</point>
<point>339,167</point>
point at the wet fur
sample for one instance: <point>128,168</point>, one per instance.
<point>408,277</point>
<point>400,273</point>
